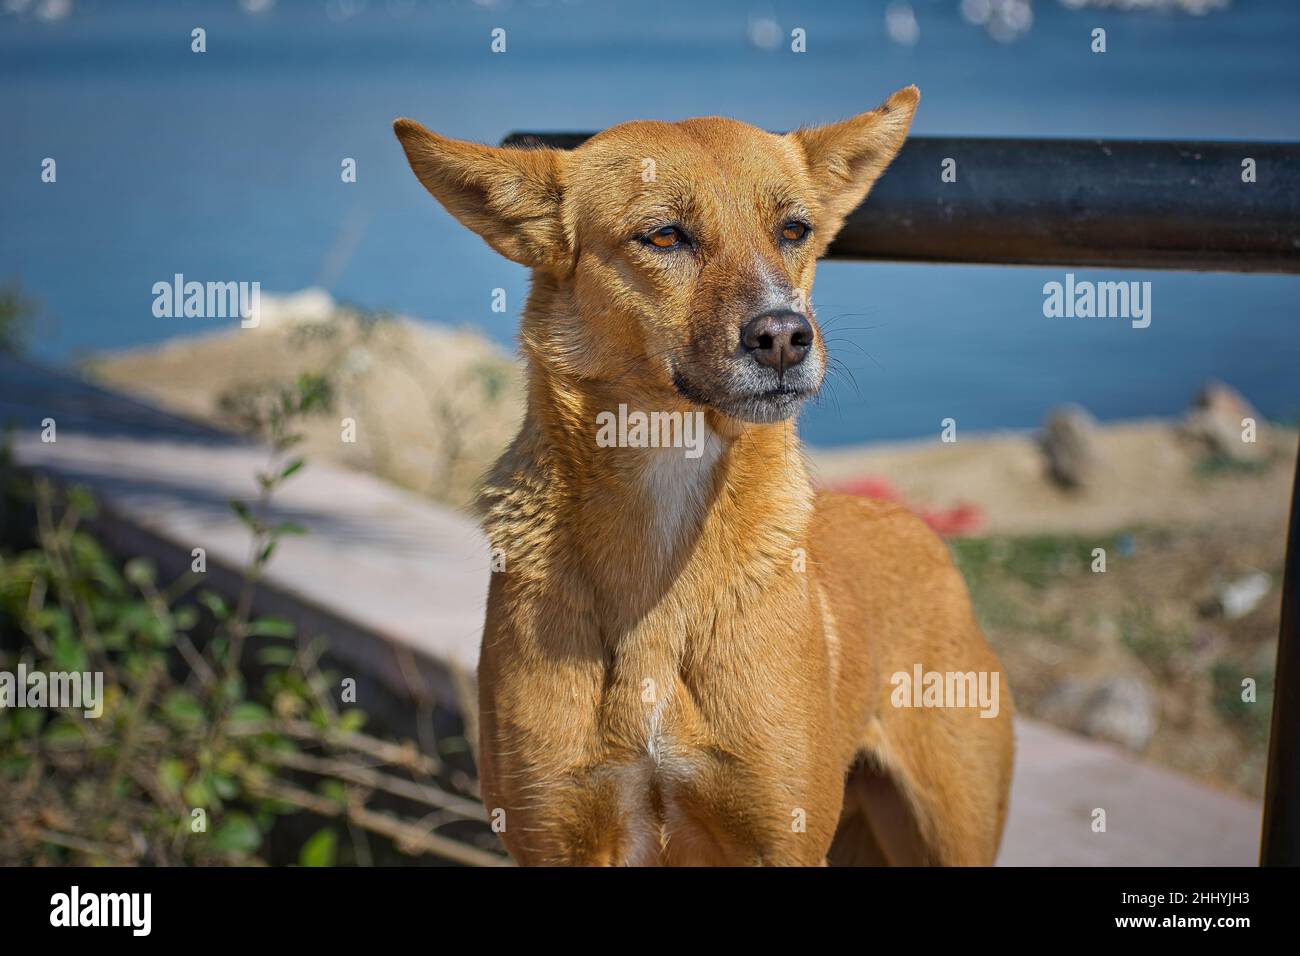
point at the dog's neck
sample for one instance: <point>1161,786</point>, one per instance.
<point>630,520</point>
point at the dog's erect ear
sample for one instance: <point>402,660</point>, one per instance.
<point>510,197</point>
<point>845,159</point>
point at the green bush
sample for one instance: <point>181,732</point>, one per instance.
<point>188,764</point>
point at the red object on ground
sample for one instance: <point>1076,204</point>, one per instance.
<point>961,518</point>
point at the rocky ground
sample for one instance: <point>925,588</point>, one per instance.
<point>1161,653</point>
<point>1170,650</point>
<point>432,406</point>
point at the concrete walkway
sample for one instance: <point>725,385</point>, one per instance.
<point>1153,817</point>
<point>387,569</point>
<point>398,583</point>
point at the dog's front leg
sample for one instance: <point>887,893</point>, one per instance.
<point>555,790</point>
<point>573,818</point>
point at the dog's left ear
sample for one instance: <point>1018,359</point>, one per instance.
<point>845,159</point>
<point>510,197</point>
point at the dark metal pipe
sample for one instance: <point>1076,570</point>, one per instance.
<point>1062,202</point>
<point>1280,845</point>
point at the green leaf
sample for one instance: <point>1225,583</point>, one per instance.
<point>333,790</point>
<point>183,709</point>
<point>314,393</point>
<point>69,654</point>
<point>140,572</point>
<point>215,603</point>
<point>271,627</point>
<point>198,794</point>
<point>160,630</point>
<point>219,647</point>
<point>276,656</point>
<point>14,766</point>
<point>249,712</point>
<point>321,849</point>
<point>292,468</point>
<point>352,720</point>
<point>171,774</point>
<point>136,618</point>
<point>28,720</point>
<point>453,745</point>
<point>62,730</point>
<point>82,501</point>
<point>241,511</point>
<point>224,785</point>
<point>238,833</point>
<point>139,663</point>
<point>57,620</point>
<point>232,688</point>
<point>106,574</point>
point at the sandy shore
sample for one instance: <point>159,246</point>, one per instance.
<point>1149,474</point>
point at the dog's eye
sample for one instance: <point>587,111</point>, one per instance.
<point>669,237</point>
<point>794,231</point>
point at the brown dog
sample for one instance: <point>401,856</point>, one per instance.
<point>690,655</point>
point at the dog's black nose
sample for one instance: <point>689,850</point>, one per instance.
<point>778,340</point>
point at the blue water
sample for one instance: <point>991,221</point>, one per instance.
<point>225,166</point>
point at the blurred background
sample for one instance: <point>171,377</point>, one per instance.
<point>225,165</point>
<point>1074,436</point>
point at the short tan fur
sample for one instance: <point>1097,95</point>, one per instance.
<point>689,659</point>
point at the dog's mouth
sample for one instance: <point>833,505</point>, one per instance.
<point>774,405</point>
<point>761,406</point>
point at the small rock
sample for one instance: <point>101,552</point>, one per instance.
<point>307,307</point>
<point>1062,703</point>
<point>1216,420</point>
<point>1121,709</point>
<point>1239,597</point>
<point>1068,442</point>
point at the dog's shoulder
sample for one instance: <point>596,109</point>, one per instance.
<point>879,538</point>
<point>835,510</point>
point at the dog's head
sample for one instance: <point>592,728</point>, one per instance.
<point>674,256</point>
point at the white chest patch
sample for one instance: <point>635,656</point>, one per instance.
<point>648,827</point>
<point>678,487</point>
<point>654,732</point>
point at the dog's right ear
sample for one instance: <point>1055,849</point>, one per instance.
<point>510,197</point>
<point>845,159</point>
